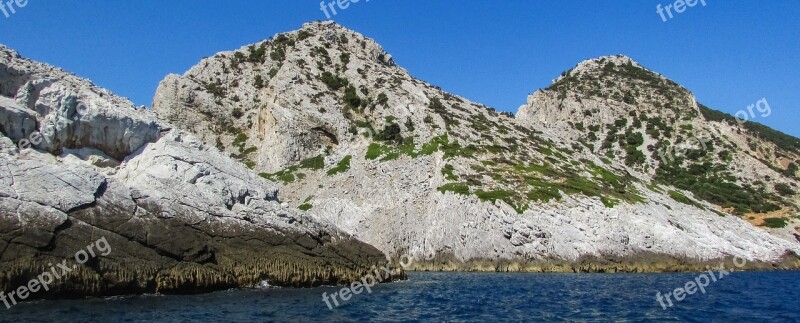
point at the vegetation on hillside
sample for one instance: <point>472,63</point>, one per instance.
<point>714,183</point>
<point>778,138</point>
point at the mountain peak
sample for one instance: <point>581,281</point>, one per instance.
<point>322,24</point>
<point>619,78</point>
<point>601,61</point>
<point>600,64</point>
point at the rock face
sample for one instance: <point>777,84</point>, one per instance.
<point>179,217</point>
<point>414,170</point>
<point>614,108</point>
<point>68,112</point>
<point>268,103</point>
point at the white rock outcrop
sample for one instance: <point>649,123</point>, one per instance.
<point>78,164</point>
<point>409,168</point>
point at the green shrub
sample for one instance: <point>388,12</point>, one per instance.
<point>248,151</point>
<point>433,146</point>
<point>544,194</point>
<point>437,106</point>
<point>456,188</point>
<point>784,189</point>
<point>351,99</point>
<point>285,176</point>
<point>382,99</point>
<point>314,163</point>
<point>240,140</point>
<point>237,113</point>
<point>334,82</point>
<point>305,207</point>
<point>216,89</point>
<point>341,167</point>
<point>609,202</point>
<point>391,133</point>
<point>302,35</point>
<point>259,82</point>
<point>493,195</point>
<point>390,156</point>
<point>278,54</point>
<point>239,57</point>
<point>713,183</point>
<point>502,195</point>
<point>776,223</point>
<point>583,186</point>
<point>374,151</point>
<point>448,172</point>
<point>679,197</point>
<point>791,170</point>
<point>257,54</point>
<point>409,125</point>
<point>288,175</point>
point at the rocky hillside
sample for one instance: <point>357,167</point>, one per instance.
<point>407,167</point>
<point>619,110</point>
<point>78,164</point>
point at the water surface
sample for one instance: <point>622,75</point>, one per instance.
<point>492,297</point>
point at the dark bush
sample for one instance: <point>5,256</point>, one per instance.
<point>259,82</point>
<point>237,113</point>
<point>392,133</point>
<point>334,82</point>
<point>784,189</point>
<point>351,98</point>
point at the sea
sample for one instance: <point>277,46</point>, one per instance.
<point>460,297</point>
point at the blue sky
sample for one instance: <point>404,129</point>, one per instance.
<point>730,53</point>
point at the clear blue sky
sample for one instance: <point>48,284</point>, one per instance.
<point>730,53</point>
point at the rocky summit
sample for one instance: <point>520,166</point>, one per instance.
<point>310,157</point>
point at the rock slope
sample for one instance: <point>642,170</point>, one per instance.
<point>614,108</point>
<point>78,164</point>
<point>409,168</point>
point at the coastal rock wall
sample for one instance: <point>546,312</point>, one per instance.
<point>79,164</point>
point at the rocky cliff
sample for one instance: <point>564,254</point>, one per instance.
<point>79,164</point>
<point>409,168</point>
<point>635,118</point>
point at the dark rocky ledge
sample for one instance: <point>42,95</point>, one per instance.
<point>171,256</point>
<point>639,263</point>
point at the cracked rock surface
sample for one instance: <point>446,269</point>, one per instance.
<point>179,216</point>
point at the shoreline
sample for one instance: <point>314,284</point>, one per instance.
<point>639,263</point>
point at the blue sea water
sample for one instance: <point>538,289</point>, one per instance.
<point>438,297</point>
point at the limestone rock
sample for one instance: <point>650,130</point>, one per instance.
<point>68,112</point>
<point>409,168</point>
<point>179,216</point>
